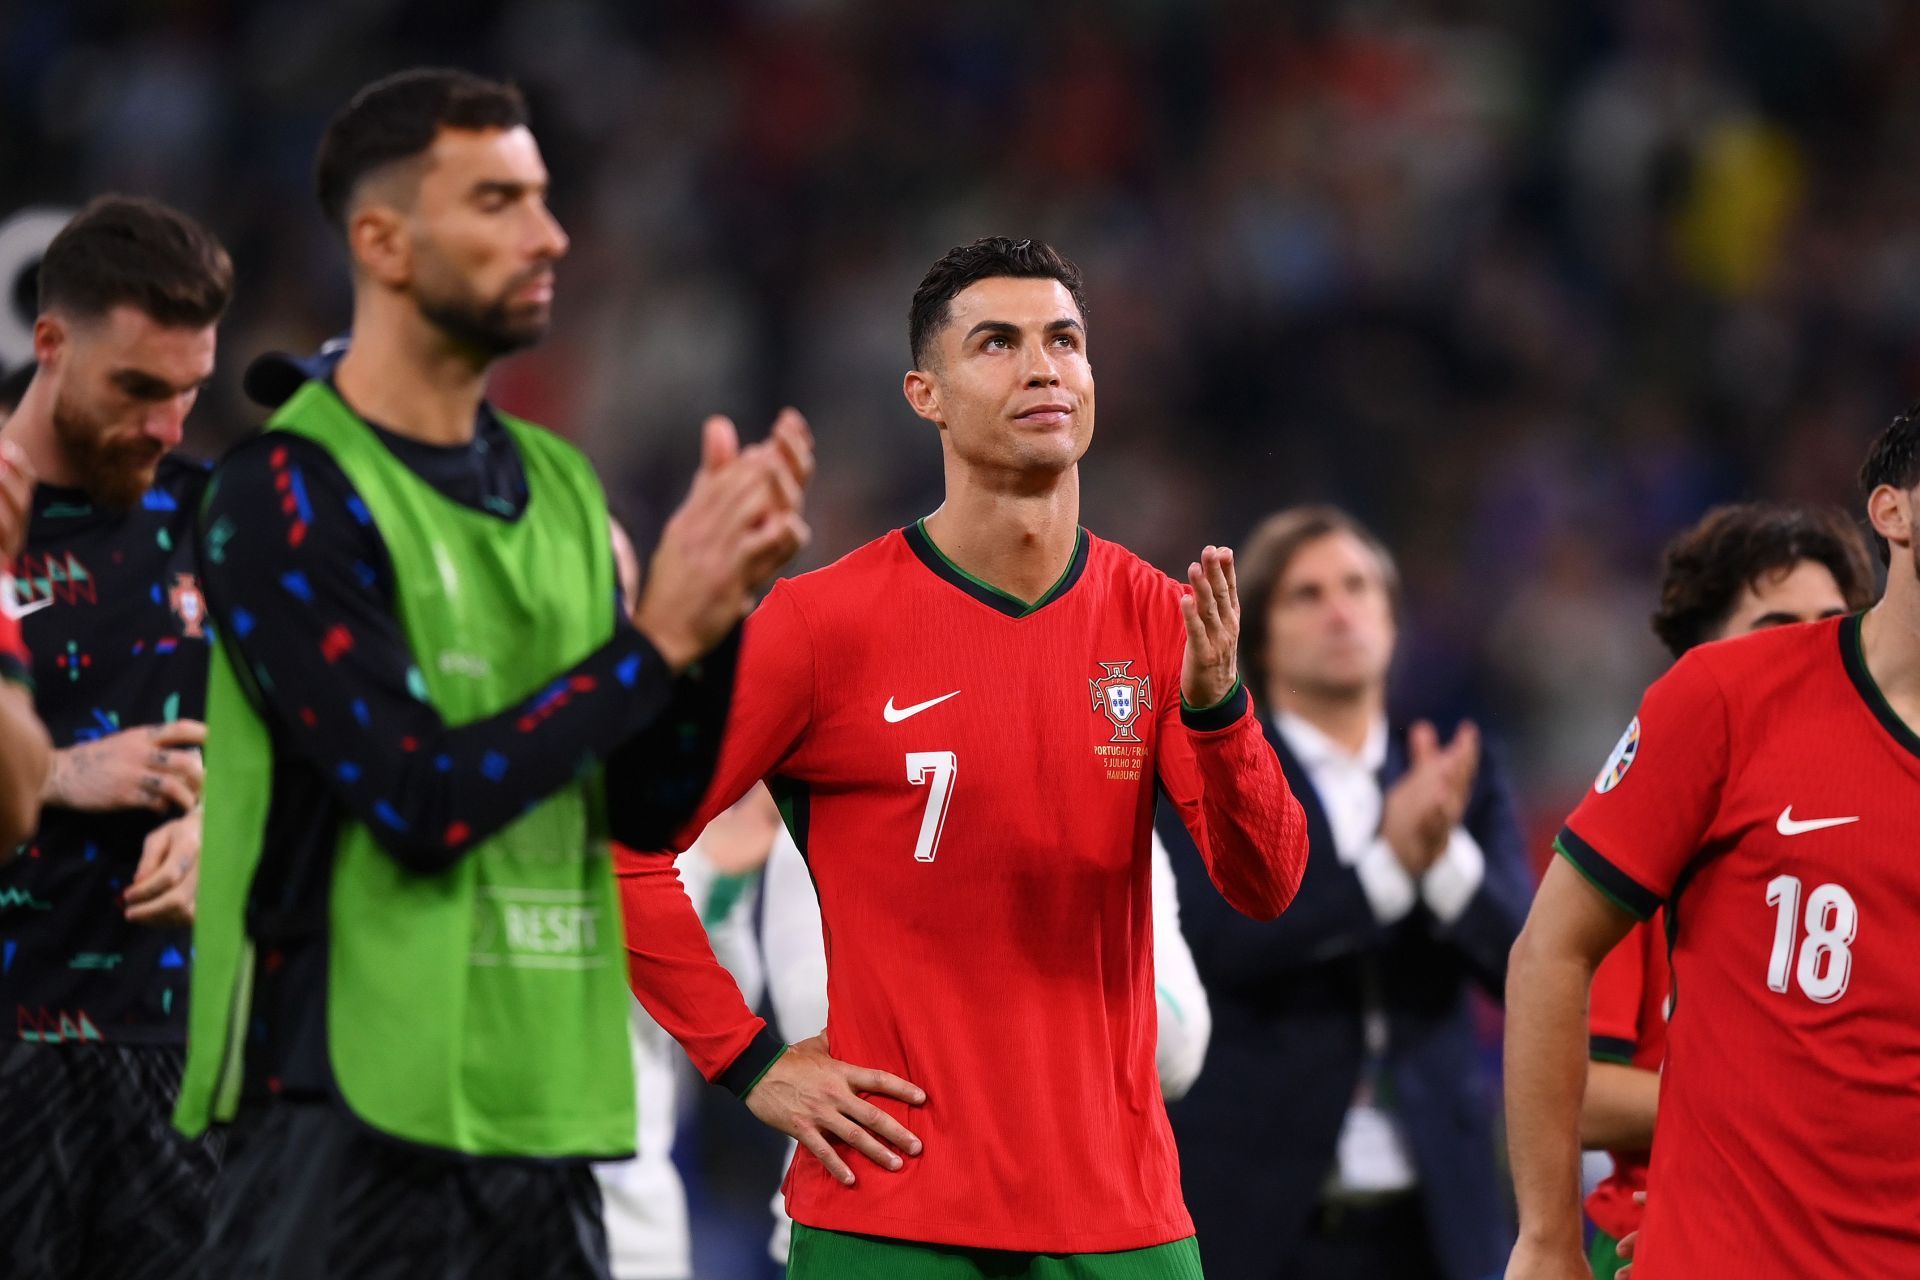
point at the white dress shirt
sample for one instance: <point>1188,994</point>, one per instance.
<point>1373,1155</point>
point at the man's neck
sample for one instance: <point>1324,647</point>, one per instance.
<point>1890,642</point>
<point>1019,541</point>
<point>30,427</point>
<point>1346,718</point>
<point>403,373</point>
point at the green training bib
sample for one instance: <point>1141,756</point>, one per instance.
<point>483,1009</point>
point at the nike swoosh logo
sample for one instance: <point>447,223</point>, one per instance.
<point>1789,826</point>
<point>895,714</point>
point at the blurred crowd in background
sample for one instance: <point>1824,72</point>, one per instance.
<point>1527,287</point>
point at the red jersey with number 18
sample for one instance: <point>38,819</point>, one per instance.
<point>972,780</point>
<point>1771,797</point>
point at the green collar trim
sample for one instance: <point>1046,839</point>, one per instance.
<point>924,547</point>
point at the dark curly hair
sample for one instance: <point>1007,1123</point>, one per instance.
<point>1705,568</point>
<point>984,259</point>
<point>1894,459</point>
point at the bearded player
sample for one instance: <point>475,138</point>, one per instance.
<point>95,952</point>
<point>965,723</point>
<point>427,716</point>
<point>1768,794</point>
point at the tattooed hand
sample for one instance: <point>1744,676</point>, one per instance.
<point>154,766</point>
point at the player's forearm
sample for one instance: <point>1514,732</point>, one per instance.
<point>673,973</point>
<point>1186,1017</point>
<point>25,754</point>
<point>657,778</point>
<point>1545,1076</point>
<point>1619,1108</point>
<point>1185,1028</point>
<point>444,789</point>
<point>1253,833</point>
<point>332,667</point>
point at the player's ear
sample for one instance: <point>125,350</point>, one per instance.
<point>378,243</point>
<point>50,333</point>
<point>923,395</point>
<point>1890,511</point>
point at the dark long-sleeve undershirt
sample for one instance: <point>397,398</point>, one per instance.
<point>301,591</point>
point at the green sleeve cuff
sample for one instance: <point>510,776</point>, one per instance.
<point>1221,715</point>
<point>1614,884</point>
<point>754,1062</point>
<point>1610,1049</point>
<point>763,1071</point>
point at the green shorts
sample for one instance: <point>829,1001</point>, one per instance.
<point>837,1255</point>
<point>1604,1257</point>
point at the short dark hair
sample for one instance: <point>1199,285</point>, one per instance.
<point>1268,554</point>
<point>985,259</point>
<point>1894,459</point>
<point>132,251</point>
<point>397,118</point>
<point>1705,568</point>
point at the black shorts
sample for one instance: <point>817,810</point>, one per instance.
<point>97,1184</point>
<point>308,1192</point>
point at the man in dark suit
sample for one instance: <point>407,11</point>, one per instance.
<point>1343,1126</point>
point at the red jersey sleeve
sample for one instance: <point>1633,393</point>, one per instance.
<point>1657,796</point>
<point>15,665</point>
<point>1220,772</point>
<point>673,973</point>
<point>772,705</point>
<point>670,963</point>
<point>1613,1009</point>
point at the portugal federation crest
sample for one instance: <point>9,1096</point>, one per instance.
<point>1121,698</point>
<point>188,604</point>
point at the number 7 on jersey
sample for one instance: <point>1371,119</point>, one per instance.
<point>933,770</point>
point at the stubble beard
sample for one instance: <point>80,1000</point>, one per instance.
<point>490,328</point>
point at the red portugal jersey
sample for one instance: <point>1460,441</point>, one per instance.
<point>972,780</point>
<point>1627,1024</point>
<point>1770,796</point>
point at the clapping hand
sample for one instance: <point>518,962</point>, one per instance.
<point>1429,800</point>
<point>741,521</point>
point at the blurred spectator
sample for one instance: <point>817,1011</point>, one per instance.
<point>1368,1148</point>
